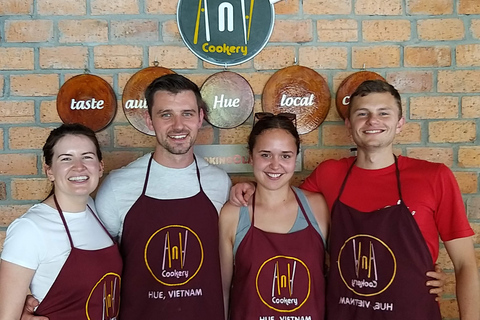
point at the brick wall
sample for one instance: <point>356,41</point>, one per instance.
<point>429,50</point>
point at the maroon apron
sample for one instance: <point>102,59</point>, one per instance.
<point>88,285</point>
<point>279,275</point>
<point>171,259</point>
<point>378,264</point>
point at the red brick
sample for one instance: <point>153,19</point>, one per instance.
<point>438,56</point>
<point>161,7</point>
<point>257,80</point>
<point>428,7</point>
<point>274,58</point>
<point>411,133</point>
<point>134,30</point>
<point>292,31</point>
<point>79,31</point>
<point>16,58</point>
<point>170,32</point>
<point>340,30</point>
<point>458,81</point>
<point>48,112</point>
<point>468,7</point>
<point>376,57</point>
<point>386,30</point>
<point>440,29</point>
<point>378,7</point>
<point>117,159</point>
<point>16,7</point>
<point>18,164</point>
<point>64,57</point>
<point>173,57</point>
<point>471,107</point>
<point>238,135</point>
<point>469,157</point>
<point>411,81</point>
<point>205,135</point>
<point>475,28</point>
<point>30,189</point>
<point>336,135</point>
<point>310,138</point>
<point>103,7</point>
<point>2,239</point>
<point>440,155</point>
<point>313,157</point>
<point>451,131</point>
<point>28,30</point>
<point>442,107</point>
<point>468,55</point>
<point>449,308</point>
<point>2,82</point>
<point>118,57</point>
<point>327,7</point>
<point>473,208</point>
<point>63,8</point>
<point>287,7</point>
<point>129,137</point>
<point>467,181</point>
<point>17,111</point>
<point>35,85</point>
<point>28,137</point>
<point>9,213</point>
<point>323,57</point>
<point>1,141</point>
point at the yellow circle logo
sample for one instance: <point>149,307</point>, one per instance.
<point>283,283</point>
<point>174,255</point>
<point>106,292</point>
<point>366,265</point>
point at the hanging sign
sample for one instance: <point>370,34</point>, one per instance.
<point>133,99</point>
<point>223,32</point>
<point>229,98</point>
<point>88,100</point>
<point>298,90</point>
<point>348,87</point>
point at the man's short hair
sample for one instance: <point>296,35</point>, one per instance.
<point>173,83</point>
<point>375,86</point>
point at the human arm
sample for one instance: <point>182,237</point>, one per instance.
<point>240,193</point>
<point>14,283</point>
<point>227,224</point>
<point>320,211</point>
<point>106,205</point>
<point>462,254</point>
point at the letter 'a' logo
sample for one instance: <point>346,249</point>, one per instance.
<point>174,255</point>
<point>225,32</point>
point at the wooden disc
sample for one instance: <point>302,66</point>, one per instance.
<point>298,90</point>
<point>348,87</point>
<point>229,98</point>
<point>87,99</point>
<point>133,98</point>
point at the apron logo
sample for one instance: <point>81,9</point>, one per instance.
<point>107,290</point>
<point>366,265</point>
<point>283,283</point>
<point>174,255</point>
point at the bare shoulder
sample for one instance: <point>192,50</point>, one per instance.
<point>228,221</point>
<point>319,209</point>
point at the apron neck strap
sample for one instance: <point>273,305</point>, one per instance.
<point>63,220</point>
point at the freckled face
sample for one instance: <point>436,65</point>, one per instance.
<point>273,158</point>
<point>75,169</point>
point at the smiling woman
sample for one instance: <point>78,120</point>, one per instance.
<point>59,249</point>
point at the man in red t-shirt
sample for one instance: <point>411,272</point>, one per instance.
<point>387,214</point>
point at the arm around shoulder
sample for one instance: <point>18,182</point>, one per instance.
<point>320,210</point>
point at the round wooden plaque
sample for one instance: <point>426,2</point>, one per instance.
<point>229,98</point>
<point>298,90</point>
<point>133,98</point>
<point>348,87</point>
<point>87,99</point>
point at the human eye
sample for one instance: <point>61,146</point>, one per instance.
<point>65,158</point>
<point>286,156</point>
<point>88,157</point>
<point>265,155</point>
<point>188,114</point>
<point>165,115</point>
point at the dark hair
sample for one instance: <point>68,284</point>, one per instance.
<point>375,86</point>
<point>75,129</point>
<point>173,83</point>
<point>273,122</point>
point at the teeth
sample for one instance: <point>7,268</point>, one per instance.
<point>183,136</point>
<point>79,178</point>
<point>274,175</point>
<point>373,131</point>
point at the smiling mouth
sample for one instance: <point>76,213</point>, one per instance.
<point>178,136</point>
<point>373,131</point>
<point>78,179</point>
<point>274,175</point>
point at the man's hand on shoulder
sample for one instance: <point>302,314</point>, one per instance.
<point>240,193</point>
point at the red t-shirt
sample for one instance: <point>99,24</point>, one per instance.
<point>429,190</point>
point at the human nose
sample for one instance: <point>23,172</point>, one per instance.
<point>78,164</point>
<point>177,122</point>
<point>274,163</point>
<point>372,118</point>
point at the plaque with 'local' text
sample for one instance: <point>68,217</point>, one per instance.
<point>229,99</point>
<point>224,32</point>
<point>133,99</point>
<point>299,90</point>
<point>88,100</point>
